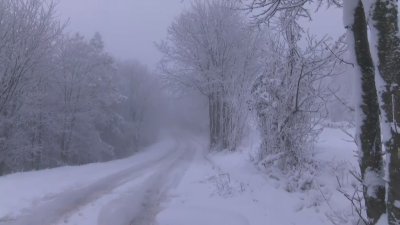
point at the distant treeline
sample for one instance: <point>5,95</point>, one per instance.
<point>63,99</point>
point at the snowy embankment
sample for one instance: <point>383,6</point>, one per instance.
<point>20,190</point>
<point>226,188</point>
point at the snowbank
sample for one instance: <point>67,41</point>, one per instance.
<point>227,188</point>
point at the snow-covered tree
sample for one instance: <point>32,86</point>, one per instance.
<point>378,84</point>
<point>28,31</point>
<point>85,92</point>
<point>289,100</point>
<point>368,132</point>
<point>385,43</point>
<point>139,92</point>
<point>263,11</point>
<point>290,95</point>
<point>211,49</point>
<point>63,99</point>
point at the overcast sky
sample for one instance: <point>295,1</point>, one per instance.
<point>130,27</point>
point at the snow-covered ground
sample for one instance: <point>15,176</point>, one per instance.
<point>226,188</point>
<point>120,192</point>
<point>175,182</point>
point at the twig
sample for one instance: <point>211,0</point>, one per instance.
<point>337,57</point>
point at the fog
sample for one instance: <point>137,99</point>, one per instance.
<point>129,27</point>
<point>186,112</point>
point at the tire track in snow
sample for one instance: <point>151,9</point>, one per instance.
<point>55,208</point>
<point>143,202</point>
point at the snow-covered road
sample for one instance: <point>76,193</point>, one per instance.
<point>130,194</point>
<point>177,182</point>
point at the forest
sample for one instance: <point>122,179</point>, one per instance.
<point>230,72</point>
<point>64,100</point>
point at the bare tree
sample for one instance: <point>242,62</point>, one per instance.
<point>82,72</point>
<point>263,11</point>
<point>383,80</point>
<point>61,98</point>
<point>27,32</point>
<point>211,49</point>
<point>289,99</point>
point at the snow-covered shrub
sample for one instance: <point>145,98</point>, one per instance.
<point>289,101</point>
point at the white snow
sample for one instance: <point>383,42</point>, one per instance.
<point>372,180</point>
<point>383,220</point>
<point>349,7</point>
<point>227,188</point>
<point>60,190</point>
<point>176,182</point>
<point>397,204</point>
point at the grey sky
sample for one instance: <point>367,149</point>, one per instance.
<point>327,22</point>
<point>130,27</point>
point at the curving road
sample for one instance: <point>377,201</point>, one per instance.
<point>128,197</point>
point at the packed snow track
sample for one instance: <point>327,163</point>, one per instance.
<point>128,196</point>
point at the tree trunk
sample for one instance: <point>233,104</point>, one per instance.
<point>384,26</point>
<point>214,119</point>
<point>368,135</point>
<point>225,124</point>
<point>218,121</point>
<point>211,111</point>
